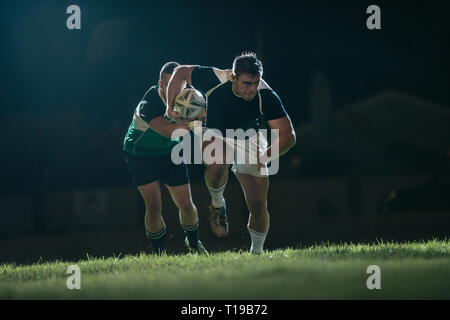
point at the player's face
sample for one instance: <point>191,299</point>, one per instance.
<point>246,86</point>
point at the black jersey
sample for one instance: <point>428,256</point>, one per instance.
<point>225,110</point>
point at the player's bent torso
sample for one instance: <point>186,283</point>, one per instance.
<point>140,139</point>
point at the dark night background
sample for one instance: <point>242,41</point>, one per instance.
<point>371,110</point>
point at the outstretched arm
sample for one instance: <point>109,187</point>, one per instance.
<point>165,127</point>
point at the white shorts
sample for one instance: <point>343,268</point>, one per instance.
<point>246,154</point>
<point>252,168</point>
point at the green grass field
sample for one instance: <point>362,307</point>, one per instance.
<point>413,270</point>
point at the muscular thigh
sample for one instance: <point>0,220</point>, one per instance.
<point>151,193</point>
<point>181,195</point>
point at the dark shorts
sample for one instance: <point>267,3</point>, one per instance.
<point>147,169</point>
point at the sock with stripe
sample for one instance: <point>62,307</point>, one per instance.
<point>158,240</point>
<point>192,234</point>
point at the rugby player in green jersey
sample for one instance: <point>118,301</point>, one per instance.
<point>147,148</point>
<point>235,99</point>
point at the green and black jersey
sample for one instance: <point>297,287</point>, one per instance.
<point>225,110</point>
<point>140,139</point>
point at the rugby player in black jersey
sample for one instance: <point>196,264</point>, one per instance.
<point>235,99</point>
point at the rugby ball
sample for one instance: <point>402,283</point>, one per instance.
<point>190,103</point>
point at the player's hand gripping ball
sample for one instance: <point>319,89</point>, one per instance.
<point>190,103</point>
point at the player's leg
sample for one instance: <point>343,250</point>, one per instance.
<point>153,221</point>
<point>216,178</point>
<point>181,196</point>
<point>176,178</point>
<point>216,173</point>
<point>255,191</point>
<point>144,171</point>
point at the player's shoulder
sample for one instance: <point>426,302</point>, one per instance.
<point>271,103</point>
<point>264,86</point>
<point>266,92</point>
<point>151,100</point>
<point>151,94</point>
<point>150,106</point>
<point>222,75</point>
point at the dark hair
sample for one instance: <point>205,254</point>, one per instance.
<point>168,68</point>
<point>247,63</point>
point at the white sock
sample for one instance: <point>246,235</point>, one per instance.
<point>217,196</point>
<point>258,239</point>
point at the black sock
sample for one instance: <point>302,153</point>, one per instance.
<point>192,234</point>
<point>158,240</point>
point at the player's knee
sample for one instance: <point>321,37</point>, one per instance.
<point>153,211</point>
<point>217,170</point>
<point>258,208</point>
<point>186,206</point>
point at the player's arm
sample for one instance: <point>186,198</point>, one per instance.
<point>277,119</point>
<point>164,127</point>
<point>285,140</point>
<point>180,76</point>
